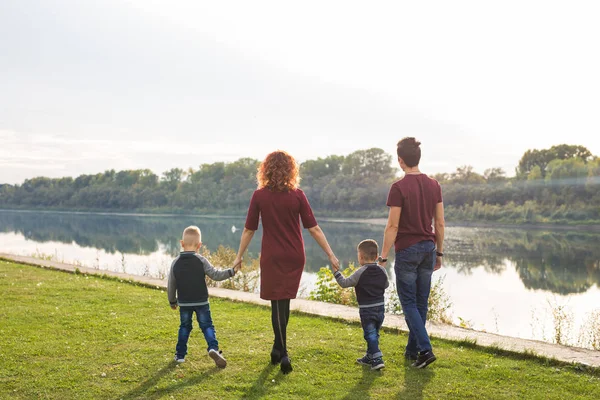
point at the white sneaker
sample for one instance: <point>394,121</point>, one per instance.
<point>179,359</point>
<point>218,358</point>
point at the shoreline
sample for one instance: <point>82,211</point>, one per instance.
<point>478,224</point>
<point>347,220</point>
<point>120,214</point>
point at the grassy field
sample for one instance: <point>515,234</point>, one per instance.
<point>65,336</point>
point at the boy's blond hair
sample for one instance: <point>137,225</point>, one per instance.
<point>192,236</point>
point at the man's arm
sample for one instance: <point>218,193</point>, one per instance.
<point>391,230</point>
<point>350,281</point>
<point>439,224</point>
<point>216,274</point>
<point>172,288</point>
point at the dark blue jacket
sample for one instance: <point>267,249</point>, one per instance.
<point>369,281</point>
<point>187,283</point>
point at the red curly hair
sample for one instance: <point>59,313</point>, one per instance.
<point>278,172</point>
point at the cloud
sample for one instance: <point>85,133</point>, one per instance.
<point>25,156</point>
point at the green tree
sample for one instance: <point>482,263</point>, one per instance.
<point>321,167</point>
<point>535,174</point>
<point>172,178</point>
<point>494,175</point>
<point>572,168</point>
<point>466,175</point>
<point>368,164</point>
<point>542,158</point>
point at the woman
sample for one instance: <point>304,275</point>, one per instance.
<point>415,201</point>
<point>281,205</point>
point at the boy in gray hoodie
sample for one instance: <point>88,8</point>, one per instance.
<point>187,289</point>
<point>370,282</point>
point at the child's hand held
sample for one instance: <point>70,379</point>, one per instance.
<point>237,265</point>
<point>335,263</point>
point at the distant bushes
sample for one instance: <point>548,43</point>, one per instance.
<point>529,212</point>
<point>558,185</point>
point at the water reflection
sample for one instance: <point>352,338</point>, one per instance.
<point>561,262</point>
<point>144,235</point>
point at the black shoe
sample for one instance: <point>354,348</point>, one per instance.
<point>412,357</point>
<point>424,359</point>
<point>377,364</point>
<point>275,356</point>
<point>365,360</point>
<point>286,365</point>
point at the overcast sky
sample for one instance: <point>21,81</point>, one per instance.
<point>87,86</point>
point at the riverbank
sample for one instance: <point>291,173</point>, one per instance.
<point>482,224</point>
<point>80,336</point>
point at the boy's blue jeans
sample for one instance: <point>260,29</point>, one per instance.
<point>371,319</point>
<point>206,325</point>
<point>414,266</point>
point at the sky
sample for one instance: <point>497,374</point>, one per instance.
<point>87,86</point>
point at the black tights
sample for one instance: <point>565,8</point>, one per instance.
<point>280,315</point>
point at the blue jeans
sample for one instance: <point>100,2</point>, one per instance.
<point>371,319</point>
<point>206,325</point>
<point>414,266</point>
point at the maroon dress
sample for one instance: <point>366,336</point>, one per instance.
<point>282,255</point>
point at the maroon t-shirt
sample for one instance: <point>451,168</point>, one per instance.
<point>282,255</point>
<point>418,196</point>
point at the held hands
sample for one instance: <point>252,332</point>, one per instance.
<point>174,307</point>
<point>438,263</point>
<point>335,263</point>
<point>237,264</point>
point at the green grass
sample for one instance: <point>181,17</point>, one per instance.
<point>67,336</point>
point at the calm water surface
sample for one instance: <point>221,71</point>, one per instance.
<point>505,281</point>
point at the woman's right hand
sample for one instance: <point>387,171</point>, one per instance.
<point>335,263</point>
<point>237,264</point>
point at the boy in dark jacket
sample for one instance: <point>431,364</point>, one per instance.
<point>187,288</point>
<point>370,282</point>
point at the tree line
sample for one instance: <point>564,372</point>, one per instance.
<point>559,184</point>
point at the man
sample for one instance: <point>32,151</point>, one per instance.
<point>415,201</point>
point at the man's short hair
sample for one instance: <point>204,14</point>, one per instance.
<point>192,236</point>
<point>409,151</point>
<point>369,249</point>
